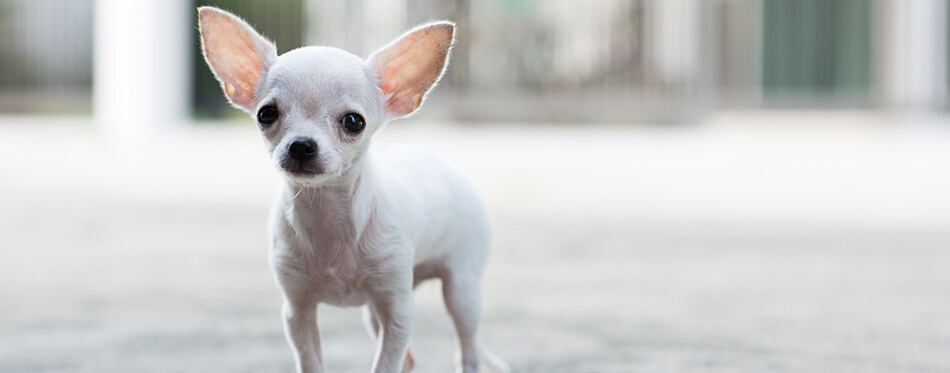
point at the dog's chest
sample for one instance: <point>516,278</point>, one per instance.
<point>332,269</point>
<point>334,275</point>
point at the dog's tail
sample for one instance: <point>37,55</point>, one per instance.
<point>491,362</point>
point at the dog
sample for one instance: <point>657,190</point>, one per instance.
<point>357,223</point>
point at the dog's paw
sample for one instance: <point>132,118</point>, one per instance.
<point>494,366</point>
<point>491,363</point>
<point>410,362</point>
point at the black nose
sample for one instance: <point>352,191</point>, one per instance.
<point>302,149</point>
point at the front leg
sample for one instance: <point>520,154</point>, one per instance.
<point>393,306</point>
<point>300,327</point>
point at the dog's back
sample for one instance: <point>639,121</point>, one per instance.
<point>453,224</point>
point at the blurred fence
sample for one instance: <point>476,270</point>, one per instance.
<point>597,60</point>
<point>45,55</point>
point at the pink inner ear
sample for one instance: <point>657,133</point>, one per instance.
<point>412,66</point>
<point>231,51</point>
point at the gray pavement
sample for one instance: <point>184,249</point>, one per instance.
<point>620,251</point>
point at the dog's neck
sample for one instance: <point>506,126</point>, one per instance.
<point>340,208</point>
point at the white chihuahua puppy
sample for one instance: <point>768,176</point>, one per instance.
<point>357,224</point>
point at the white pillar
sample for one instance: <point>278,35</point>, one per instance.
<point>679,37</point>
<point>675,33</point>
<point>913,57</point>
<point>142,75</point>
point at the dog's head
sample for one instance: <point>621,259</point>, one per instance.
<point>318,107</point>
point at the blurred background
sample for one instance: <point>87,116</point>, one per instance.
<point>602,61</point>
<point>676,185</point>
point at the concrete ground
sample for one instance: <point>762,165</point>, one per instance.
<point>770,242</point>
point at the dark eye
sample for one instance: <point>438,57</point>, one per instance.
<point>267,115</point>
<point>353,123</point>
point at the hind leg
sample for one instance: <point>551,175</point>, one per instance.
<point>372,327</point>
<point>462,295</point>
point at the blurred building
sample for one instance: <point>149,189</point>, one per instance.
<point>560,60</point>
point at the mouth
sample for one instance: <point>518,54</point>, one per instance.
<point>299,169</point>
<point>308,176</point>
<point>302,173</point>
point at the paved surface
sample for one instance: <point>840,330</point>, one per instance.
<point>657,250</point>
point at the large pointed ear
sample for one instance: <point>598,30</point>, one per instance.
<point>237,54</point>
<point>412,64</point>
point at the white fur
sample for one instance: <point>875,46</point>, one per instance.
<point>375,219</point>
